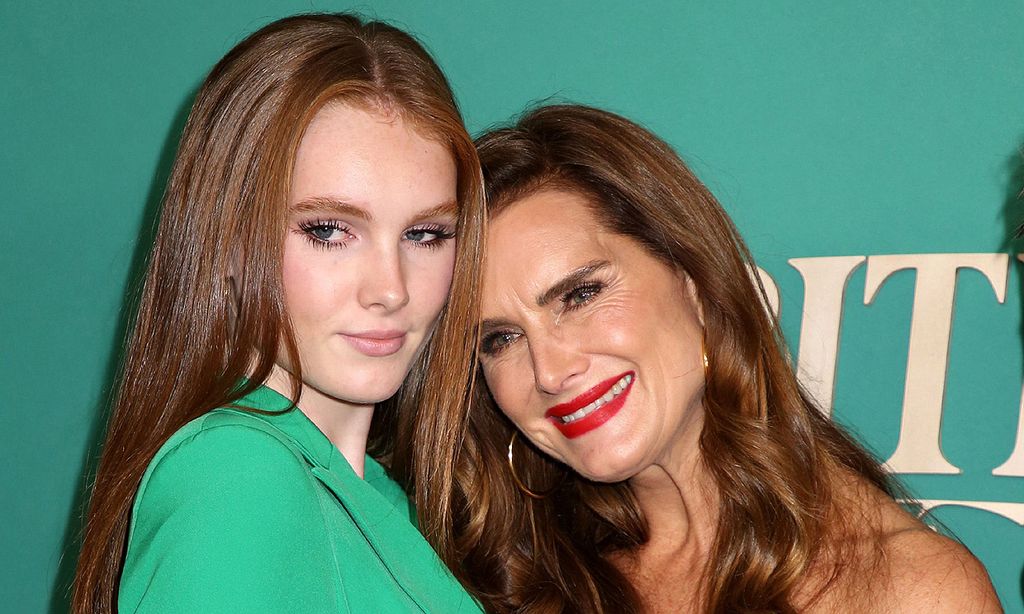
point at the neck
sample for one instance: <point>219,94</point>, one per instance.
<point>679,499</point>
<point>346,425</point>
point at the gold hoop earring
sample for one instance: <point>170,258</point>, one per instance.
<point>515,478</point>
<point>704,356</point>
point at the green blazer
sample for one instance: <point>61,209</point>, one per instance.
<point>243,512</point>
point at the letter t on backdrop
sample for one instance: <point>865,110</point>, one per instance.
<point>1014,466</point>
<point>918,449</point>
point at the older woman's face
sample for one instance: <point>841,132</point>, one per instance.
<point>590,345</point>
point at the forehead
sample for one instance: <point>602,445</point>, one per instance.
<point>535,241</point>
<point>357,153</point>
<point>548,221</point>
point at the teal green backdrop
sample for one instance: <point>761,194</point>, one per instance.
<point>860,129</point>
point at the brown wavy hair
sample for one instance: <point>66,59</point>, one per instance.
<point>211,310</point>
<point>777,462</point>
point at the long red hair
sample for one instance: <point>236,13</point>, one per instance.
<point>211,310</point>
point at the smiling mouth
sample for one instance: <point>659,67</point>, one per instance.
<point>617,388</point>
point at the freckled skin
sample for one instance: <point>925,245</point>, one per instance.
<point>369,274</point>
<point>643,319</point>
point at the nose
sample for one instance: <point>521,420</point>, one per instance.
<point>557,363</point>
<point>383,284</point>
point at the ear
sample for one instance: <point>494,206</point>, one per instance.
<point>691,295</point>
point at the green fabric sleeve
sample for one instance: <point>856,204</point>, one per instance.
<point>228,520</point>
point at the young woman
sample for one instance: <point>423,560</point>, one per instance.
<point>324,199</point>
<point>639,441</point>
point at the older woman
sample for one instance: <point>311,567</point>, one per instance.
<point>661,456</point>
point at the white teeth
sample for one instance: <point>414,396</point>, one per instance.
<point>615,391</point>
<point>576,415</point>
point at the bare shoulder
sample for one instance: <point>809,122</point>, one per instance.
<point>933,574</point>
<point>919,570</point>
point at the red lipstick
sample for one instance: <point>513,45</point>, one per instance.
<point>594,417</point>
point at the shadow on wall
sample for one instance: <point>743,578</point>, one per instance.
<point>1013,238</point>
<point>72,541</point>
<point>1013,218</point>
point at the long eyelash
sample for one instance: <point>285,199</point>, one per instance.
<point>443,233</point>
<point>305,229</point>
<point>593,287</point>
<point>311,224</point>
<point>487,347</point>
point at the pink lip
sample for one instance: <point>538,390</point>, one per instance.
<point>597,417</point>
<point>376,342</point>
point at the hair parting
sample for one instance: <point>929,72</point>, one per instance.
<point>211,318</point>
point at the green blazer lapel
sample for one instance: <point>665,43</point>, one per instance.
<point>399,545</point>
<point>384,523</point>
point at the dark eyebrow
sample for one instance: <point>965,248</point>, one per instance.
<point>326,204</point>
<point>490,325</point>
<point>562,286</point>
<point>570,281</point>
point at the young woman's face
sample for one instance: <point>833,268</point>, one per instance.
<point>368,252</point>
<point>590,345</point>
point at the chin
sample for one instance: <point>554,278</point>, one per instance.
<point>606,470</point>
<point>612,457</point>
<point>368,395</point>
<point>372,383</point>
<point>355,391</point>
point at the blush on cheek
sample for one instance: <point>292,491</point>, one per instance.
<point>436,283</point>
<point>448,271</point>
<point>295,270</point>
<point>614,333</point>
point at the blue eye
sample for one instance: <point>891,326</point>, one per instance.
<point>495,343</point>
<point>325,234</point>
<point>420,235</point>
<point>581,295</point>
<point>433,235</point>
